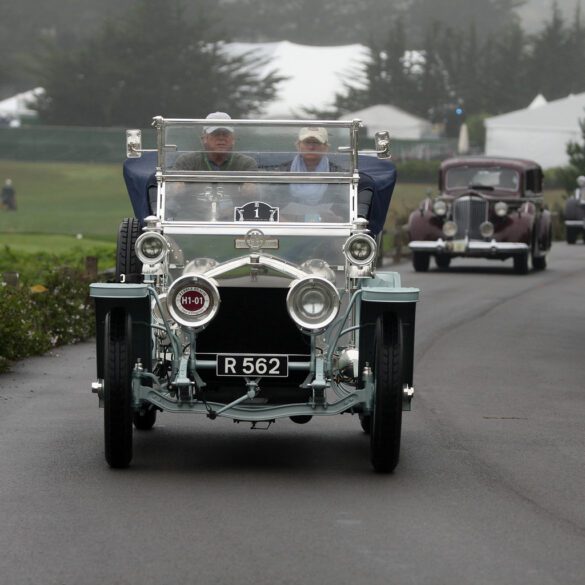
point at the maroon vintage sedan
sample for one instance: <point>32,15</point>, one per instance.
<point>486,208</point>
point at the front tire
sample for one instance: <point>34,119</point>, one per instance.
<point>442,261</point>
<point>144,420</point>
<point>421,261</point>
<point>571,234</point>
<point>386,420</point>
<point>118,390</point>
<point>366,423</point>
<point>539,263</point>
<point>521,264</point>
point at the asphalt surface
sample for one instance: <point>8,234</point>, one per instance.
<point>490,488</point>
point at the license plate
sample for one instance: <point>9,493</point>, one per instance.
<point>459,246</point>
<point>252,365</point>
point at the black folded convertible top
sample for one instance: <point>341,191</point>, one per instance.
<point>379,175</point>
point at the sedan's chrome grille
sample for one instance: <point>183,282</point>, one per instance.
<point>469,213</point>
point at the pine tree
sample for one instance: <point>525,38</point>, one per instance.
<point>123,76</point>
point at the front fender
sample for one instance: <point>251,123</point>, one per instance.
<point>423,224</point>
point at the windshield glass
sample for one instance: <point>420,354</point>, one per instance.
<point>249,171</point>
<point>257,202</point>
<point>223,145</point>
<point>488,178</point>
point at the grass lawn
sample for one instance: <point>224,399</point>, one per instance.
<point>65,198</point>
<point>55,244</point>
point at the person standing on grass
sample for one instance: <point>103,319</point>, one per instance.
<point>8,196</point>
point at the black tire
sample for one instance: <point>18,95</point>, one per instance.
<point>301,419</point>
<point>144,420</point>
<point>571,234</point>
<point>118,390</point>
<point>366,423</point>
<point>387,413</point>
<point>521,264</point>
<point>539,263</point>
<point>442,261</point>
<point>421,261</point>
<point>128,266</point>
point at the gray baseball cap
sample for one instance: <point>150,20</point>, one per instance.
<point>217,116</point>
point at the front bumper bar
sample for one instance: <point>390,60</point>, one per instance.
<point>469,247</point>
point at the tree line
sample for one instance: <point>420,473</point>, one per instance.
<point>167,56</point>
<point>455,70</point>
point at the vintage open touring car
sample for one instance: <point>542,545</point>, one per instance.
<point>252,293</point>
<point>487,207</point>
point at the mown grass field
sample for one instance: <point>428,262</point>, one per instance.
<point>63,206</point>
<point>65,199</point>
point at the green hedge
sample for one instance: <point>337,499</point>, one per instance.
<point>50,307</point>
<point>418,171</point>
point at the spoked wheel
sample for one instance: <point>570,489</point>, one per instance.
<point>521,264</point>
<point>442,261</point>
<point>421,261</point>
<point>386,424</point>
<point>144,420</point>
<point>118,389</point>
<point>128,266</point>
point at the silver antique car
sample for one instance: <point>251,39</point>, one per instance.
<point>252,292</point>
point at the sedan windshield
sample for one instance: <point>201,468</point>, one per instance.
<point>482,178</point>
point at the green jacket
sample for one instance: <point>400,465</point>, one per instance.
<point>198,161</point>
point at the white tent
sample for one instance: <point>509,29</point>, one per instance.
<point>315,74</point>
<point>539,133</point>
<point>399,123</point>
<point>18,106</point>
<point>538,101</point>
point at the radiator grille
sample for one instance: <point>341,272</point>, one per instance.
<point>469,213</point>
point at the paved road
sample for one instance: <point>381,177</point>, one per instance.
<point>490,488</point>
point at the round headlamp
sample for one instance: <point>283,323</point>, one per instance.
<point>193,301</point>
<point>439,207</point>
<point>360,249</point>
<point>312,303</point>
<point>486,229</point>
<point>501,208</point>
<point>450,228</point>
<point>151,247</point>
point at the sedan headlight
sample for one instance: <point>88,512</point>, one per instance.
<point>193,301</point>
<point>449,228</point>
<point>486,229</point>
<point>151,247</point>
<point>360,249</point>
<point>439,207</point>
<point>501,208</point>
<point>312,303</point>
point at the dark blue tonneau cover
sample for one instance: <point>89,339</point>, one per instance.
<point>376,174</point>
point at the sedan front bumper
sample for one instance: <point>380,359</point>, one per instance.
<point>468,247</point>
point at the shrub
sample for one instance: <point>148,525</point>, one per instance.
<point>56,310</point>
